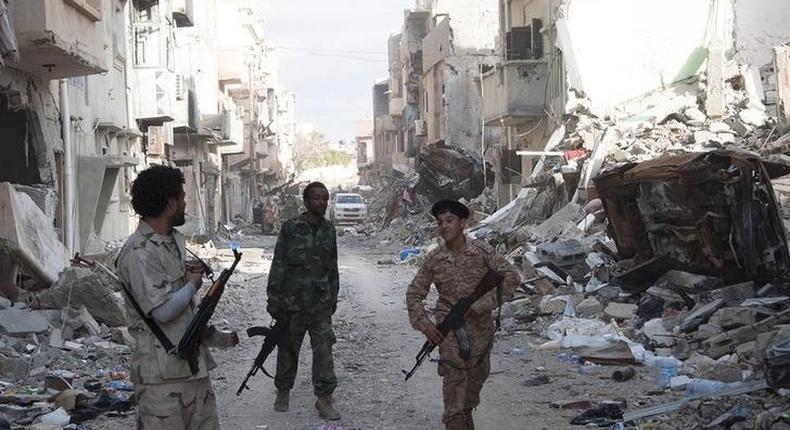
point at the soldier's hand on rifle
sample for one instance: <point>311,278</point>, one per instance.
<point>194,274</point>
<point>433,334</point>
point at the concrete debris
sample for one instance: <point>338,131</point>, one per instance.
<point>85,287</point>
<point>20,323</point>
<point>30,237</point>
<point>620,311</point>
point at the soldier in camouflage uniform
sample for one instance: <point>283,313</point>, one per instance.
<point>455,268</point>
<point>302,289</point>
<point>153,269</point>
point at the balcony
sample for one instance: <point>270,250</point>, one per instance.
<point>514,92</point>
<point>59,38</point>
<point>183,13</point>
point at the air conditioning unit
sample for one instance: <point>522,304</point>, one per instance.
<point>419,128</point>
<point>180,87</point>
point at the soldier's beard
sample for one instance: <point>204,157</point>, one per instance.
<point>179,219</point>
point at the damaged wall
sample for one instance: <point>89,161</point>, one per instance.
<point>462,38</point>
<point>760,25</point>
<point>625,48</point>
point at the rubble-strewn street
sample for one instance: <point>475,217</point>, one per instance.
<point>629,159</point>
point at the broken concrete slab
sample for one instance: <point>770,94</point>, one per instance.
<point>13,366</point>
<point>735,294</point>
<point>733,317</point>
<point>700,314</point>
<point>689,282</point>
<point>658,333</point>
<point>753,117</point>
<point>620,311</point>
<point>30,236</point>
<point>20,323</point>
<point>695,117</point>
<point>707,331</point>
<point>589,307</point>
<point>87,289</point>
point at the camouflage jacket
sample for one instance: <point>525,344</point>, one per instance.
<point>455,277</point>
<point>304,275</point>
<point>152,268</point>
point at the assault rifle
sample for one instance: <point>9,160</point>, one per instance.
<point>271,338</point>
<point>455,319</point>
<point>189,345</point>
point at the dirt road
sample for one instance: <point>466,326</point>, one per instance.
<point>375,342</point>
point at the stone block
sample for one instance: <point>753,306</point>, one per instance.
<point>690,282</point>
<point>87,289</point>
<point>734,295</point>
<point>620,311</point>
<point>707,331</point>
<point>13,367</point>
<point>733,317</point>
<point>589,307</point>
<point>20,323</point>
<point>700,314</point>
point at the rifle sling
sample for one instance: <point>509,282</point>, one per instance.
<point>152,325</point>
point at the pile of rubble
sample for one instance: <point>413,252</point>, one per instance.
<point>657,239</point>
<point>64,344</point>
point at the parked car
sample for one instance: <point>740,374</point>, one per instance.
<point>347,207</point>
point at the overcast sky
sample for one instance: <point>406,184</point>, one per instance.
<point>330,53</point>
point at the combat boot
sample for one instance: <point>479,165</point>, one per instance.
<point>282,400</point>
<point>470,422</point>
<point>325,408</point>
<point>457,422</point>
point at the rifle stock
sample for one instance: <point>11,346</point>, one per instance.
<point>455,318</point>
<point>189,345</point>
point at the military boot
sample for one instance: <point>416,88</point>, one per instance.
<point>281,401</point>
<point>325,408</point>
<point>457,422</point>
<point>470,422</point>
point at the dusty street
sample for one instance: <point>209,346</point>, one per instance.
<point>375,342</point>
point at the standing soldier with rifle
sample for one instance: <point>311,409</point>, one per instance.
<point>171,392</point>
<point>302,290</point>
<point>458,268</point>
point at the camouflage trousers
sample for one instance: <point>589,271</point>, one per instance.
<point>188,405</point>
<point>462,380</point>
<point>322,338</point>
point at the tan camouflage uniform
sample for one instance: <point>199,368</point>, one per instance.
<point>456,277</point>
<point>303,285</point>
<point>168,396</point>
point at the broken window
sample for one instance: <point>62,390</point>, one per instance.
<point>525,43</point>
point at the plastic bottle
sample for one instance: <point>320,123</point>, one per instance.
<point>665,370</point>
<point>699,387</point>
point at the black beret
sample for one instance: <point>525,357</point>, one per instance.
<point>452,206</point>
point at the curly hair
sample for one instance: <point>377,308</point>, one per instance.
<point>310,186</point>
<point>154,187</point>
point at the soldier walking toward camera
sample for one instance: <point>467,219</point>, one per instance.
<point>160,284</point>
<point>455,268</point>
<point>302,289</point>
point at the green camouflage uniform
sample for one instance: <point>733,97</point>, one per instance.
<point>169,396</point>
<point>455,277</point>
<point>302,287</point>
